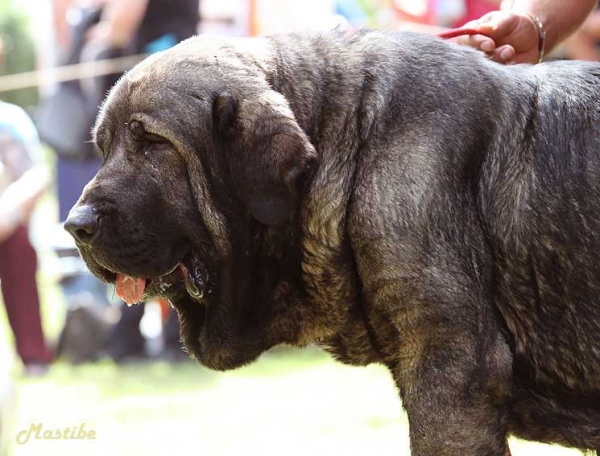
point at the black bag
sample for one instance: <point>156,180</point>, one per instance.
<point>64,123</point>
<point>64,120</point>
<point>86,333</point>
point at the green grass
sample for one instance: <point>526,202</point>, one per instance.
<point>290,402</point>
<point>297,400</point>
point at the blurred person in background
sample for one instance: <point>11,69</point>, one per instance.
<point>473,10</point>
<point>110,29</point>
<point>93,30</point>
<point>23,180</point>
<point>433,16</point>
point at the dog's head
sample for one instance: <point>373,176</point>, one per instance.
<point>197,198</point>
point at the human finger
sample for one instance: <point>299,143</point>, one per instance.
<point>503,54</point>
<point>481,42</point>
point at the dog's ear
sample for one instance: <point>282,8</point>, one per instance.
<point>269,155</point>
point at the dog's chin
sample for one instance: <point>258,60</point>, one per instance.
<point>206,338</point>
<point>223,340</point>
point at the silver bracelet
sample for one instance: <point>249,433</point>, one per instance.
<point>541,35</point>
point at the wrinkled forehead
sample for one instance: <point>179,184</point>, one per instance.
<point>181,83</point>
<point>154,97</point>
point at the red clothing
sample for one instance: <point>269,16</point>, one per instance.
<point>475,9</point>
<point>18,265</point>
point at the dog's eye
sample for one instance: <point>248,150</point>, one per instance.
<point>154,143</point>
<point>149,141</point>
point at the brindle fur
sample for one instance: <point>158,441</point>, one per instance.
<point>391,197</point>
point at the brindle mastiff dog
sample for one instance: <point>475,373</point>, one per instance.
<point>390,197</point>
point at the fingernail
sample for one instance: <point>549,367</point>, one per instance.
<point>487,46</point>
<point>506,54</point>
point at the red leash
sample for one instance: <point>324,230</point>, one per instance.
<point>453,33</point>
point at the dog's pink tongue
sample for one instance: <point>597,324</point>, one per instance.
<point>130,289</point>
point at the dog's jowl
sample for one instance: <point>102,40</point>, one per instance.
<point>390,197</point>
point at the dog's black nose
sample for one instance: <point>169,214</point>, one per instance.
<point>82,223</point>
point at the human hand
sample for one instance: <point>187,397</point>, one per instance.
<point>506,37</point>
<point>19,199</point>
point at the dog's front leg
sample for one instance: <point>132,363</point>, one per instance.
<point>454,381</point>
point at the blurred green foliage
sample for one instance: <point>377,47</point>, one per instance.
<point>18,51</point>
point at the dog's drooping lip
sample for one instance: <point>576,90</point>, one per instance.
<point>189,273</point>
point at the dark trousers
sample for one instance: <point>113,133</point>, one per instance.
<point>18,265</point>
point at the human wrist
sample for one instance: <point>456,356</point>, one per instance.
<point>558,21</point>
<point>541,34</point>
